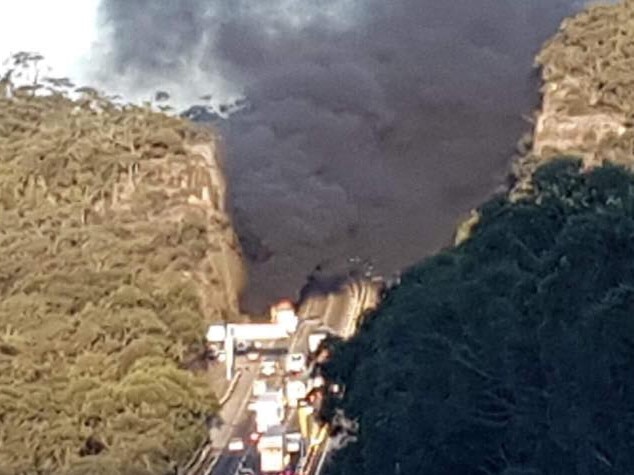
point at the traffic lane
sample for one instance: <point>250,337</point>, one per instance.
<point>231,411</point>
<point>340,310</point>
<point>362,295</point>
<point>313,307</point>
<point>236,407</point>
<point>228,462</point>
<point>251,459</point>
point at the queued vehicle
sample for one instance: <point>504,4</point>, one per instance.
<point>295,363</point>
<point>295,391</point>
<point>236,444</point>
<point>268,366</point>
<point>272,450</point>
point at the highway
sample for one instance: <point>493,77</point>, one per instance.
<point>339,312</point>
<point>368,298</point>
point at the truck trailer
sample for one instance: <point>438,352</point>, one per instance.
<point>315,339</point>
<point>269,410</point>
<point>272,451</point>
<point>295,391</point>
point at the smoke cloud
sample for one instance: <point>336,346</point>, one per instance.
<point>372,126</point>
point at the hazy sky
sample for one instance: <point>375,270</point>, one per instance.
<point>63,31</point>
<point>373,125</point>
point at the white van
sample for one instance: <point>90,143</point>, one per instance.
<point>268,366</point>
<point>295,363</point>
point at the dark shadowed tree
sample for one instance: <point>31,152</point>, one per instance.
<point>511,353</point>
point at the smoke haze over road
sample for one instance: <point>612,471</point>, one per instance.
<point>372,126</point>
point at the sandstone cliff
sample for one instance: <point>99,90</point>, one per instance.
<point>587,70</point>
<point>116,252</point>
<point>587,109</point>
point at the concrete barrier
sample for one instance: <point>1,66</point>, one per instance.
<point>231,388</point>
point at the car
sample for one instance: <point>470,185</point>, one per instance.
<point>268,366</point>
<point>253,355</point>
<point>236,444</point>
<point>295,363</point>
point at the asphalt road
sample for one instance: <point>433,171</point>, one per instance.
<point>335,310</point>
<point>369,298</point>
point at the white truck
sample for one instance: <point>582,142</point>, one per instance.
<point>269,410</point>
<point>295,391</point>
<point>272,451</point>
<point>293,442</point>
<point>260,386</point>
<point>283,313</point>
<point>315,338</point>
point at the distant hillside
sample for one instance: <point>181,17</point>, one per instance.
<point>116,253</point>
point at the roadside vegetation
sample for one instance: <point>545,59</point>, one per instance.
<point>512,353</point>
<point>100,309</point>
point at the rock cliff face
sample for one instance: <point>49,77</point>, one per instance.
<point>587,109</point>
<point>191,182</point>
<point>117,252</point>
<point>588,100</point>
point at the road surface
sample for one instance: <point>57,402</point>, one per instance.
<point>317,459</point>
<point>338,311</point>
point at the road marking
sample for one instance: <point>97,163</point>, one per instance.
<point>322,458</point>
<point>357,310</point>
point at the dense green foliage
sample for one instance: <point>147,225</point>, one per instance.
<point>98,311</point>
<point>512,353</point>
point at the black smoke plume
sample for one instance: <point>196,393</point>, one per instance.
<point>371,125</point>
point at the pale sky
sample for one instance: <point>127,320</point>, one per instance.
<point>62,31</point>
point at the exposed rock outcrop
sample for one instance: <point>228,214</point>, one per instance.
<point>116,252</point>
<point>587,94</point>
<point>587,109</point>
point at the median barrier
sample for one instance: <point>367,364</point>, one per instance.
<point>322,457</point>
<point>231,388</point>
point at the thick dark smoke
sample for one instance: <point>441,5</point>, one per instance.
<point>372,126</point>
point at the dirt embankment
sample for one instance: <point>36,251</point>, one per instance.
<point>117,252</point>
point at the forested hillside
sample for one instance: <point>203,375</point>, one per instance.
<point>510,354</point>
<point>115,254</point>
